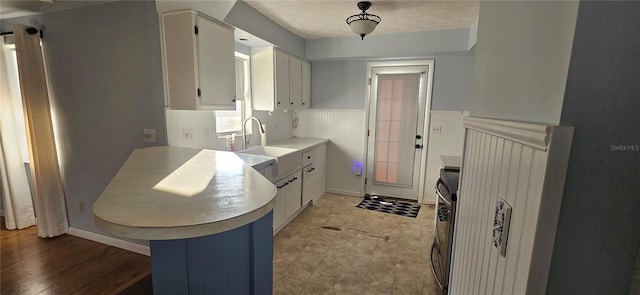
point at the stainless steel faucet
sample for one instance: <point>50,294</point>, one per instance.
<point>245,140</point>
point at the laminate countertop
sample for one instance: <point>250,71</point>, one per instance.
<point>166,193</point>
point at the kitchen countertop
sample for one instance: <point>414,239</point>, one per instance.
<point>299,143</point>
<point>450,162</point>
<point>164,193</point>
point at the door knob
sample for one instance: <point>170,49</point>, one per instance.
<point>418,146</point>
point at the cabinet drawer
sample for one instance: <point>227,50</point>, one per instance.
<point>307,158</point>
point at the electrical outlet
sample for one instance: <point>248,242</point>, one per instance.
<point>81,204</point>
<point>436,129</point>
<point>187,135</point>
<point>150,135</point>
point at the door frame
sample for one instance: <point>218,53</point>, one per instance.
<point>430,63</point>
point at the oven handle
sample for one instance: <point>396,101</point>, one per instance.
<point>442,197</point>
<point>433,269</point>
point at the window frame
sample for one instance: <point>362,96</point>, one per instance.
<point>244,103</point>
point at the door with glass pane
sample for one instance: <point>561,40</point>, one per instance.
<point>396,125</point>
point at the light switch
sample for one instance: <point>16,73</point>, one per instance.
<point>501,223</point>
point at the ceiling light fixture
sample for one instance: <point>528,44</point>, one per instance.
<point>364,23</point>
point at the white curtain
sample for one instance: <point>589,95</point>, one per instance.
<point>48,194</point>
<point>16,195</point>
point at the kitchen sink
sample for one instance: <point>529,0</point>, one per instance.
<point>287,160</point>
<point>268,151</point>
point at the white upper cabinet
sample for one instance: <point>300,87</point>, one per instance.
<point>295,83</point>
<point>306,84</point>
<point>281,70</point>
<point>278,80</point>
<point>199,61</point>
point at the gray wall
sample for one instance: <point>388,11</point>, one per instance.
<point>599,228</point>
<point>522,58</point>
<point>408,45</point>
<point>452,83</point>
<point>105,68</point>
<point>343,84</point>
<point>338,84</point>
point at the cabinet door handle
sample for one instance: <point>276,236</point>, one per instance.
<point>283,185</point>
<point>293,179</point>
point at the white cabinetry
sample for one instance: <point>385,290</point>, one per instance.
<point>320,163</point>
<point>295,82</point>
<point>279,215</point>
<point>279,80</point>
<point>288,199</point>
<point>199,61</point>
<point>308,183</point>
<point>294,191</point>
<point>314,174</point>
<point>306,84</point>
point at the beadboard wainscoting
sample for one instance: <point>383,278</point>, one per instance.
<point>524,164</point>
<point>345,131</point>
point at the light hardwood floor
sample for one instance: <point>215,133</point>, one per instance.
<point>68,265</point>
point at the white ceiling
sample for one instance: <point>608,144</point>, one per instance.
<point>316,19</point>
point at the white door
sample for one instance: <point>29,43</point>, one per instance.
<point>397,117</point>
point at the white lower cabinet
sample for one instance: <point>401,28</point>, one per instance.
<point>320,177</point>
<point>279,210</point>
<point>294,191</point>
<point>314,175</point>
<point>288,199</point>
<point>301,187</point>
<point>308,183</point>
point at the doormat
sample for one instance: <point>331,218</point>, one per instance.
<point>389,205</point>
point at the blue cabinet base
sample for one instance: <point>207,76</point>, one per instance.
<point>238,261</point>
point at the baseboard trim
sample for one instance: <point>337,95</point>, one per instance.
<point>343,192</point>
<point>317,197</point>
<point>111,241</point>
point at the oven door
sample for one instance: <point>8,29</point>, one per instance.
<point>440,249</point>
<point>443,215</point>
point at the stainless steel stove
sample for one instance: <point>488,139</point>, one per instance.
<point>446,189</point>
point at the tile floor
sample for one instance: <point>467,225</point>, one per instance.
<point>357,259</point>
